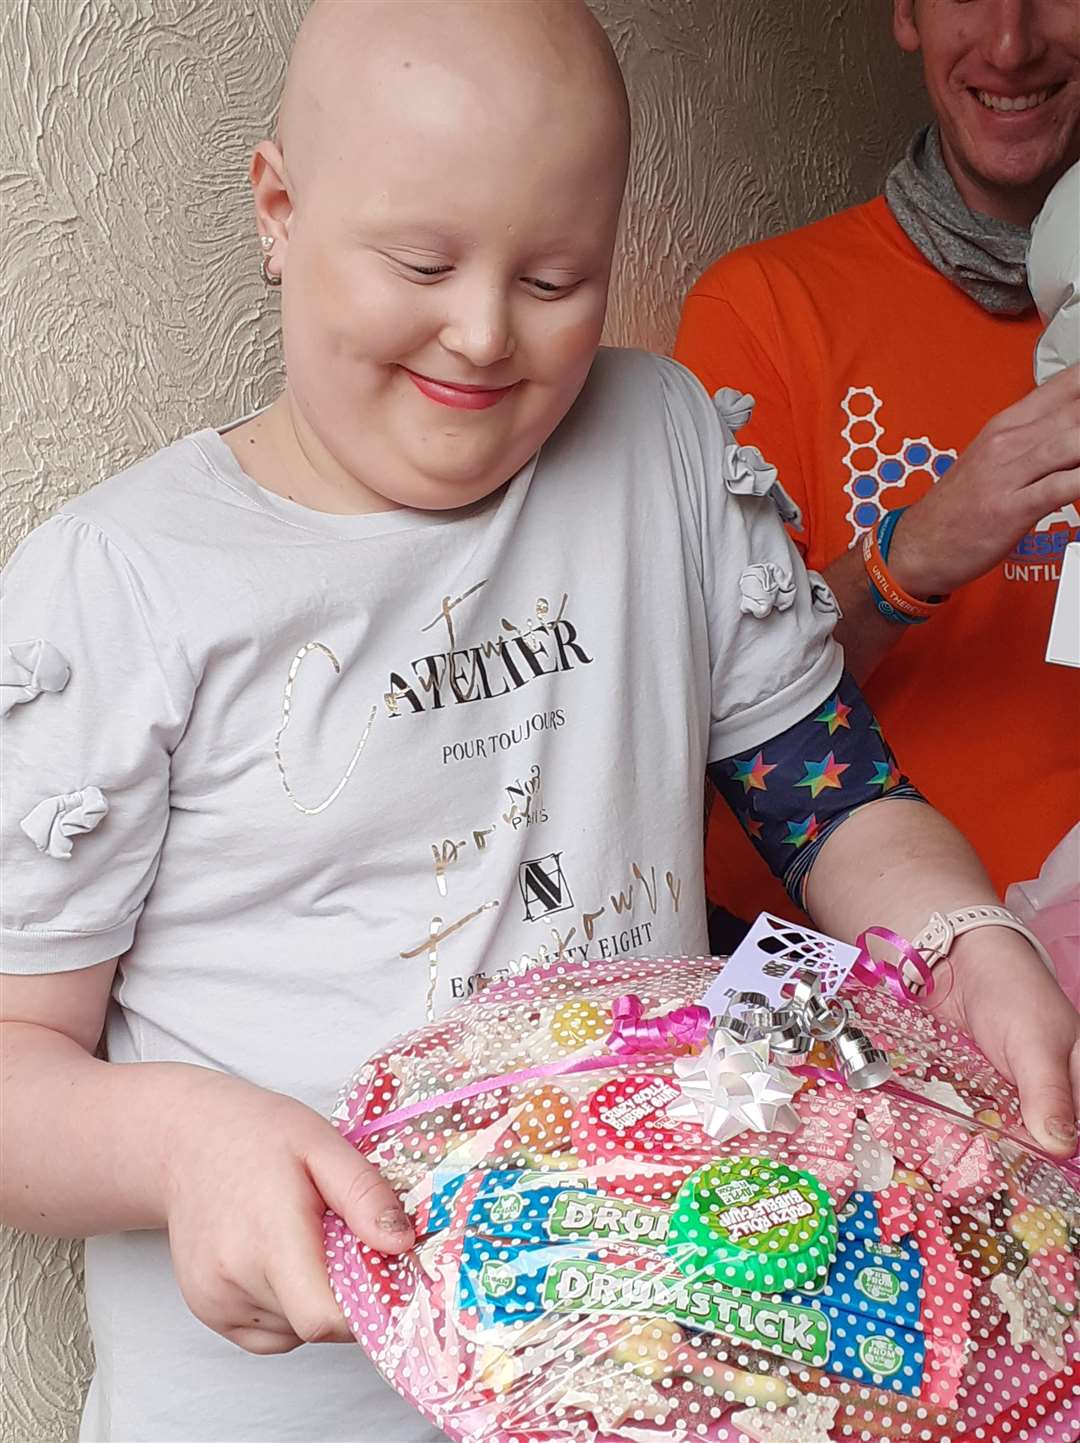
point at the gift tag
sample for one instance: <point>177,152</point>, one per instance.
<point>770,955</point>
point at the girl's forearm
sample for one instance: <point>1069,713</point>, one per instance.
<point>86,1142</point>
<point>892,864</point>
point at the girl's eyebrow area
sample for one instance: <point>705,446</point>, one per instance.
<point>557,254</point>
<point>403,235</point>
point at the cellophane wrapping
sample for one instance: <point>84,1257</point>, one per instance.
<point>900,1265</point>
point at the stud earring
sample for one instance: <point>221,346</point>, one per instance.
<point>271,278</point>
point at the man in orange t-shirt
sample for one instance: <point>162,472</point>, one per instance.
<point>878,345</point>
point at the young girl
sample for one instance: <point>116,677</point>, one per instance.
<point>334,715</point>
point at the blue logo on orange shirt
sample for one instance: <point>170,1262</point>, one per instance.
<point>874,469</point>
<point>1036,556</point>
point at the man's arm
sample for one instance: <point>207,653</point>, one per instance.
<point>1023,465</point>
<point>862,631</point>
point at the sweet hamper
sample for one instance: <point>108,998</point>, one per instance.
<point>792,1218</point>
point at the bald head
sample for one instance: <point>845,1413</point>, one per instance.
<point>358,71</point>
<point>441,207</point>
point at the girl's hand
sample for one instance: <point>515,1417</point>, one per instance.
<point>994,986</point>
<point>249,1174</point>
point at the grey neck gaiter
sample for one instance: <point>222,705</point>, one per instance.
<point>981,255</point>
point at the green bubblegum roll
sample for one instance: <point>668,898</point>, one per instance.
<point>754,1225</point>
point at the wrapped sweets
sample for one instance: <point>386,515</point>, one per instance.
<point>636,1221</point>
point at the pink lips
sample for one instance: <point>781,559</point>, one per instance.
<point>463,398</point>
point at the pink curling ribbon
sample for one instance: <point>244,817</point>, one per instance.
<point>633,1033</point>
<point>874,970</point>
<point>482,1085</point>
<point>633,1039</point>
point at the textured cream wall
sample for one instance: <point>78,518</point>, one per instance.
<point>133,310</point>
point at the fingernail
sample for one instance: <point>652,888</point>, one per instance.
<point>1061,1129</point>
<point>393,1220</point>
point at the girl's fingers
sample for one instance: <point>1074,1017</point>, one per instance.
<point>264,1341</point>
<point>300,1285</point>
<point>358,1194</point>
<point>1043,1068</point>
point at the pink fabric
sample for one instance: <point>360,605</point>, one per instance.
<point>1050,906</point>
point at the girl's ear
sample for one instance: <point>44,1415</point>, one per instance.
<point>273,204</point>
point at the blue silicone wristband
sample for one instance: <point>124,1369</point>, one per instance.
<point>885,528</point>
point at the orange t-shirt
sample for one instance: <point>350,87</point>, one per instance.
<point>871,373</point>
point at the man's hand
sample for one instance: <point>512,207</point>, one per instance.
<point>993,985</point>
<point>250,1174</point>
<point>1023,465</point>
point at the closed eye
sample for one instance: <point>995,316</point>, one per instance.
<point>546,288</point>
<point>550,288</point>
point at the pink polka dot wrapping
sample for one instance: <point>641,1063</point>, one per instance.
<point>601,1254</point>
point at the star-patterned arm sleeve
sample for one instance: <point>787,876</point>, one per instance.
<point>790,793</point>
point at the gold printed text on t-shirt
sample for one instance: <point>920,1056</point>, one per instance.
<point>539,622</point>
<point>447,608</point>
<point>525,809</point>
<point>437,933</point>
<point>623,900</point>
<point>446,854</point>
<point>526,806</point>
<point>674,886</point>
<point>286,715</point>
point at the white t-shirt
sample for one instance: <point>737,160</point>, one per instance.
<point>344,755</point>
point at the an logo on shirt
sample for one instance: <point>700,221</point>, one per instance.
<point>543,887</point>
<point>1036,556</point>
<point>873,470</point>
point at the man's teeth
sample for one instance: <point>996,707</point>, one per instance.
<point>1012,102</point>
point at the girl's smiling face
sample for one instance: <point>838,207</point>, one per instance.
<point>445,264</point>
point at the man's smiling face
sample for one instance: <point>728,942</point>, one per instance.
<point>1004,80</point>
